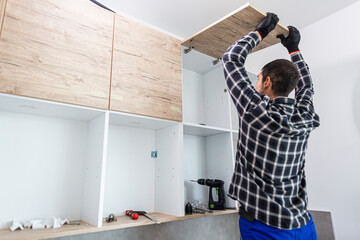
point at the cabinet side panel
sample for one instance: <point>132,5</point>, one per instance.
<point>57,50</point>
<point>220,161</point>
<point>169,171</point>
<point>147,77</point>
<point>94,171</point>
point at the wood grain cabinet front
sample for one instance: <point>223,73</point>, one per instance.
<point>2,12</point>
<point>146,71</point>
<point>57,50</point>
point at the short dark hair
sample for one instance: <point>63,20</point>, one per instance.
<point>283,74</point>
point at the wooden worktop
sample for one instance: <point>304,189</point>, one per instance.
<point>84,228</point>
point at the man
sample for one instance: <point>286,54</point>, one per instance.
<point>269,178</point>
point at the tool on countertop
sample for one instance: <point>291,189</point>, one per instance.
<point>198,211</point>
<point>199,208</point>
<point>143,213</point>
<point>132,214</point>
<point>111,218</point>
<point>188,209</point>
<point>219,186</point>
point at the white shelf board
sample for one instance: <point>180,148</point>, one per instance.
<point>19,104</point>
<point>202,130</point>
<point>138,121</point>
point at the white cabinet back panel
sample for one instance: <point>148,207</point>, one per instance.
<point>130,170</point>
<point>216,99</point>
<point>42,161</point>
<point>195,166</point>
<point>220,164</point>
<point>207,157</point>
<point>193,97</point>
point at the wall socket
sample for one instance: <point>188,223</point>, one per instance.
<point>154,154</point>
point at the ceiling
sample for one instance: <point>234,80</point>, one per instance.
<point>187,17</point>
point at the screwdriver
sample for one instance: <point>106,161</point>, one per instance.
<point>132,214</point>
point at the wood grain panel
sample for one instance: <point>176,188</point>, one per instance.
<point>57,50</point>
<point>2,13</point>
<point>215,39</point>
<point>146,74</point>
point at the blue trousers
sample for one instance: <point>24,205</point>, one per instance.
<point>257,230</point>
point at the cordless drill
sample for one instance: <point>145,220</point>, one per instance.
<point>219,186</point>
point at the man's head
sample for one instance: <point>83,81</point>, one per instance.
<point>277,78</point>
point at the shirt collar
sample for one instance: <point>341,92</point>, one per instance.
<point>284,100</point>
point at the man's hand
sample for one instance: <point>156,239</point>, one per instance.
<point>292,41</point>
<point>267,25</point>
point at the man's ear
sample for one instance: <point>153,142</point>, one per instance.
<point>267,83</point>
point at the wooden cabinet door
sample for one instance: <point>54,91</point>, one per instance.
<point>57,50</point>
<point>2,12</point>
<point>146,71</point>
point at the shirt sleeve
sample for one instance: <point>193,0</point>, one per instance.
<point>304,90</point>
<point>240,88</point>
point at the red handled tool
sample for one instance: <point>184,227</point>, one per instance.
<point>132,214</point>
<point>135,215</point>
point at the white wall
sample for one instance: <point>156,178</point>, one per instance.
<point>332,51</point>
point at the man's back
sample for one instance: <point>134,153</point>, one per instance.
<point>269,179</point>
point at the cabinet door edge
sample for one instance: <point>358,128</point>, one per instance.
<point>2,13</point>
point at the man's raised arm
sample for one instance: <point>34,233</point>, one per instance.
<point>304,90</point>
<point>241,90</point>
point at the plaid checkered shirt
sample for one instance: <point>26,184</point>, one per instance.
<point>269,177</point>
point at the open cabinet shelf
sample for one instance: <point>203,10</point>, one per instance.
<point>200,130</point>
<point>207,131</point>
<point>135,179</point>
<point>46,150</point>
<point>38,107</point>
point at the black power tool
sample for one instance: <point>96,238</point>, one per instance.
<point>219,186</point>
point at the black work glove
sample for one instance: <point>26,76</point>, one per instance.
<point>292,41</point>
<point>267,25</point>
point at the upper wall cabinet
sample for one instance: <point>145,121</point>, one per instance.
<point>215,39</point>
<point>146,73</point>
<point>57,50</point>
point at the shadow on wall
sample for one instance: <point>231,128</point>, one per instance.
<point>337,92</point>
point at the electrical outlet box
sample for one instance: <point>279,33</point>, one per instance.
<point>154,154</point>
